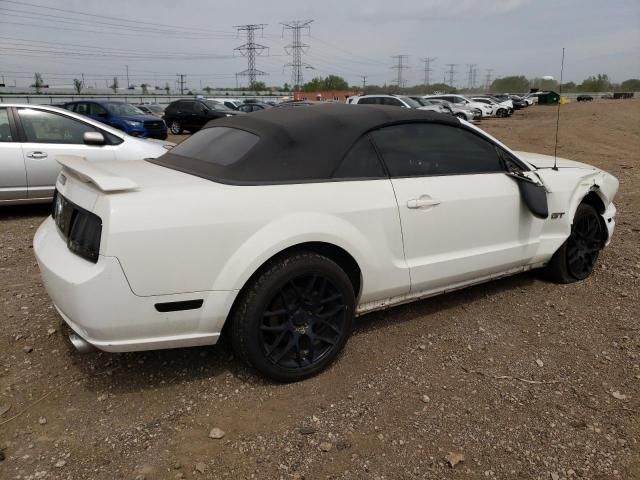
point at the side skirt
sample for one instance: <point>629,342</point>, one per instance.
<point>415,296</point>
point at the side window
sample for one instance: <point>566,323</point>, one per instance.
<point>368,101</point>
<point>199,108</point>
<point>47,127</point>
<point>394,102</point>
<point>5,128</point>
<point>422,149</point>
<point>186,107</point>
<point>82,108</point>
<point>361,162</point>
<point>97,110</point>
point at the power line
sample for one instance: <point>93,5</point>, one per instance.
<point>364,82</point>
<point>296,49</point>
<point>427,69</point>
<point>400,67</point>
<point>250,50</point>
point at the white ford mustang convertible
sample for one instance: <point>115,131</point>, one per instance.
<point>281,226</point>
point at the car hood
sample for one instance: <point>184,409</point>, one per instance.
<point>547,161</point>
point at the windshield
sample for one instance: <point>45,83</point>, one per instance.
<point>411,102</point>
<point>123,109</point>
<point>156,108</point>
<point>218,107</point>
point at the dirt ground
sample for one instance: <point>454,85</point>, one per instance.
<point>515,379</point>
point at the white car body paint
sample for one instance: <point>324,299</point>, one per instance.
<point>175,237</point>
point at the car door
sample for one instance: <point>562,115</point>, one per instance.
<point>185,114</point>
<point>48,134</point>
<point>13,175</point>
<point>462,216</point>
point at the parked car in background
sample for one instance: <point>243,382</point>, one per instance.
<point>228,102</point>
<point>457,109</point>
<point>487,110</point>
<point>518,102</point>
<point>607,96</point>
<point>244,227</point>
<point>154,109</point>
<point>32,136</point>
<point>249,107</point>
<point>498,109</point>
<point>122,116</point>
<point>390,100</point>
<point>531,98</point>
<point>192,115</point>
<point>584,98</point>
<point>432,106</point>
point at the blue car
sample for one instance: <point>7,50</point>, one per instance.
<point>122,116</point>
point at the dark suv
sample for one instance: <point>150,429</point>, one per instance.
<point>122,116</point>
<point>192,115</point>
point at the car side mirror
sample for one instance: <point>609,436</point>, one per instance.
<point>534,195</point>
<point>93,138</point>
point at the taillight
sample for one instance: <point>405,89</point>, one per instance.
<point>81,228</point>
<point>84,236</point>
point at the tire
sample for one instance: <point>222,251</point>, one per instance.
<point>576,259</point>
<point>175,127</point>
<point>501,113</point>
<point>294,318</point>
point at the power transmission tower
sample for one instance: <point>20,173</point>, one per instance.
<point>181,82</point>
<point>364,81</point>
<point>487,81</point>
<point>251,49</point>
<point>451,72</point>
<point>472,67</point>
<point>296,49</point>
<point>401,66</point>
<point>474,77</point>
<point>427,69</point>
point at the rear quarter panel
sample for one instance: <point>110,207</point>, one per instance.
<point>214,236</point>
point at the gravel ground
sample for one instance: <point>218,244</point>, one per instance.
<point>514,379</point>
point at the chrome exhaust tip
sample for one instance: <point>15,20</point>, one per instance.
<point>80,343</point>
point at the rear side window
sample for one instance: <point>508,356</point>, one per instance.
<point>368,101</point>
<point>394,102</point>
<point>217,145</point>
<point>361,162</point>
<point>430,149</point>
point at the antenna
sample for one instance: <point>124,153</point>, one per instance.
<point>555,148</point>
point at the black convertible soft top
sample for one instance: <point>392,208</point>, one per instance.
<point>294,145</point>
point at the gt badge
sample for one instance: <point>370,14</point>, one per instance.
<point>557,215</point>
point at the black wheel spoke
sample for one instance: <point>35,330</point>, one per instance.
<point>274,328</point>
<point>324,322</point>
<point>276,313</point>
<point>330,313</point>
<point>287,348</point>
<point>332,298</point>
<point>278,341</point>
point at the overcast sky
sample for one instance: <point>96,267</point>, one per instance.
<point>347,38</point>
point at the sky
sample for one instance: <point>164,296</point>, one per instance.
<point>156,39</point>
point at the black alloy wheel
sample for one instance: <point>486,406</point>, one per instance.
<point>303,322</point>
<point>583,246</point>
<point>293,319</point>
<point>576,259</point>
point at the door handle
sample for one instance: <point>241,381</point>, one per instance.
<point>37,155</point>
<point>422,202</point>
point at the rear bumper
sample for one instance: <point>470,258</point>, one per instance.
<point>95,300</point>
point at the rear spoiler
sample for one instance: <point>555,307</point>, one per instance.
<point>90,173</point>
